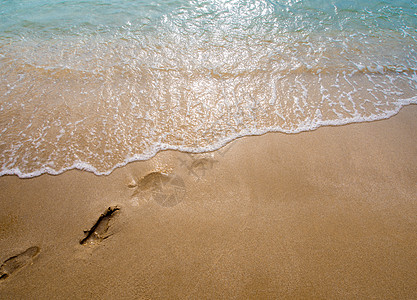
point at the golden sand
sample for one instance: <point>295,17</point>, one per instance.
<point>325,214</point>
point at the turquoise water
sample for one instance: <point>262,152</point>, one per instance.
<point>96,84</point>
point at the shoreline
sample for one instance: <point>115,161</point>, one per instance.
<point>318,214</point>
<point>86,167</point>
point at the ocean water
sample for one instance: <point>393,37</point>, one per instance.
<point>95,84</point>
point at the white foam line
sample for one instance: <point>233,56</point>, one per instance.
<point>83,166</point>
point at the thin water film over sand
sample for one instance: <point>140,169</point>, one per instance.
<point>122,80</point>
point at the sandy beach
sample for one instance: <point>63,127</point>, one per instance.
<point>324,214</point>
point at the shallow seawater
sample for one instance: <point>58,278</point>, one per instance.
<point>95,84</point>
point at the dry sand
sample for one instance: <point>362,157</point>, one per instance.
<point>325,214</point>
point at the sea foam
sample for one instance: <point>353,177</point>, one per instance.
<point>122,81</point>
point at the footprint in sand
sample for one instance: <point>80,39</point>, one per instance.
<point>17,262</point>
<point>98,232</point>
<point>165,189</point>
<point>196,165</point>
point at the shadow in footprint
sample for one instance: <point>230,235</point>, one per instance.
<point>17,262</point>
<point>98,232</point>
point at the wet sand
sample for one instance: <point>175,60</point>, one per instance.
<point>325,214</point>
